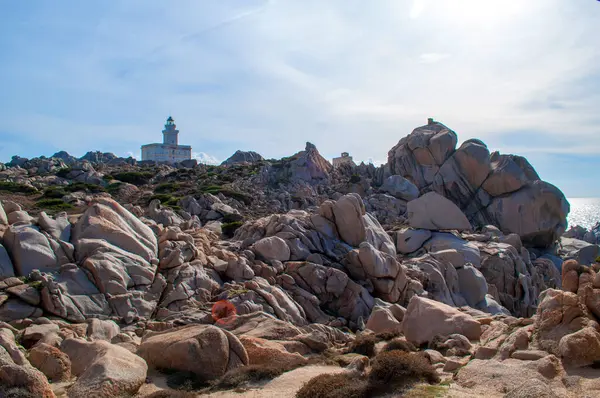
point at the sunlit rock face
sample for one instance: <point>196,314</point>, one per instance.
<point>502,190</point>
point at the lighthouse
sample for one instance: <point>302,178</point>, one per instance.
<point>169,151</point>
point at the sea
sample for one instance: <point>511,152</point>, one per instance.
<point>584,212</point>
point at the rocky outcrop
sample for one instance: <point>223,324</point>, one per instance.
<point>306,166</point>
<point>65,157</point>
<point>579,250</point>
<point>566,323</point>
<point>98,157</point>
<point>120,254</point>
<point>502,190</point>
<point>242,157</point>
<point>16,371</point>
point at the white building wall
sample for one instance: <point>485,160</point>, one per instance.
<point>166,153</point>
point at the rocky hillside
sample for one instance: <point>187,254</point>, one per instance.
<point>441,273</point>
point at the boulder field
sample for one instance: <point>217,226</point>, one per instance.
<point>450,263</point>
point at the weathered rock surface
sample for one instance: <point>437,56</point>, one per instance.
<point>399,187</point>
<point>434,212</point>
<point>503,190</point>
<point>426,319</point>
<point>205,350</point>
<point>243,157</point>
<point>51,361</point>
<point>103,369</point>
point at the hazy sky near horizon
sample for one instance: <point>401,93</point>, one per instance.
<point>269,75</point>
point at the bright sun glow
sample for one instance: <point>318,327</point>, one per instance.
<point>478,12</point>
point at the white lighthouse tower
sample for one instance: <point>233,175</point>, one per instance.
<point>169,151</point>
<point>170,132</point>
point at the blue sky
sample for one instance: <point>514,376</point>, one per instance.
<point>347,75</point>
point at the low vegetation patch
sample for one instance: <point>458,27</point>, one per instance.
<point>385,336</point>
<point>340,385</point>
<point>53,205</point>
<point>364,344</point>
<point>14,187</point>
<point>400,345</point>
<point>172,394</point>
<point>16,392</point>
<point>393,372</point>
<point>229,229</point>
<point>183,380</point>
<point>57,192</point>
<point>401,370</point>
<point>134,177</point>
<point>62,173</point>
<point>167,187</point>
<point>114,187</point>
<point>217,189</point>
<point>166,200</point>
<point>247,375</point>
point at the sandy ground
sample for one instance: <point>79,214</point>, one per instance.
<point>284,386</point>
<point>581,383</point>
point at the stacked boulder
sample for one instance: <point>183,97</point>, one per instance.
<point>496,189</point>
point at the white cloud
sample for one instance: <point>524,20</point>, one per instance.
<point>205,158</point>
<point>417,8</point>
<point>432,58</point>
<point>269,76</point>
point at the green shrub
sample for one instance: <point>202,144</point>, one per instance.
<point>229,229</point>
<point>83,186</point>
<point>217,189</point>
<point>166,199</point>
<point>14,187</point>
<point>167,187</point>
<point>107,177</point>
<point>53,204</point>
<point>134,177</point>
<point>114,187</point>
<point>54,192</point>
<point>62,173</point>
<point>355,179</point>
<point>229,218</point>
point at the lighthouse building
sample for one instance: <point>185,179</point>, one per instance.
<point>169,151</point>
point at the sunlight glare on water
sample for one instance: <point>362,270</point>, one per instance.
<point>584,212</point>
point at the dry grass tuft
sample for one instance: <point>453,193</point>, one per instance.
<point>393,372</point>
<point>386,336</point>
<point>400,369</point>
<point>245,375</point>
<point>400,345</point>
<point>15,392</point>
<point>172,394</point>
<point>364,344</point>
<point>340,385</point>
